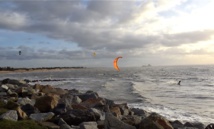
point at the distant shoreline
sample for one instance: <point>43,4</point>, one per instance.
<point>42,69</point>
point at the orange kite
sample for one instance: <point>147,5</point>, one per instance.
<point>115,63</point>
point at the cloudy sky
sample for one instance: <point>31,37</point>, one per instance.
<point>67,32</point>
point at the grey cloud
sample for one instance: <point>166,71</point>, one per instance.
<point>186,37</point>
<point>86,25</point>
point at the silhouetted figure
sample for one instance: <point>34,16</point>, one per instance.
<point>179,83</point>
<point>20,52</point>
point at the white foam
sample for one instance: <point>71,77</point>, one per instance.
<point>172,114</point>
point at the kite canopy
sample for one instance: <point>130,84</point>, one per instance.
<point>115,63</point>
<point>94,54</point>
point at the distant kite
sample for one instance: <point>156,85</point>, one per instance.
<point>20,52</point>
<point>94,54</point>
<point>115,63</point>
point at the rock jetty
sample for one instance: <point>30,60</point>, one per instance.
<point>56,108</point>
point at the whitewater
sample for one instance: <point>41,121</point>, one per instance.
<point>154,89</point>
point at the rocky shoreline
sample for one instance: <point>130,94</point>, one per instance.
<point>56,108</point>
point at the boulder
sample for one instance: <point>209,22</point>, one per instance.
<point>3,94</point>
<point>100,113</point>
<point>75,117</point>
<point>76,100</point>
<point>101,124</point>
<point>88,125</point>
<point>4,87</point>
<point>14,82</point>
<point>79,107</point>
<point>73,91</point>
<point>109,102</point>
<point>26,100</point>
<point>132,120</point>
<point>21,114</point>
<point>123,108</point>
<point>12,94</point>
<point>140,112</point>
<point>93,102</point>
<point>29,109</point>
<point>148,124</point>
<point>60,108</point>
<point>69,99</point>
<point>10,115</point>
<point>111,122</point>
<point>210,126</point>
<point>65,126</point>
<point>51,90</point>
<point>115,111</point>
<point>87,96</point>
<point>38,87</point>
<point>11,86</point>
<point>12,105</point>
<point>61,122</point>
<point>49,125</point>
<point>176,124</point>
<point>42,116</point>
<point>155,121</point>
<point>25,91</point>
<point>47,103</point>
<point>194,125</point>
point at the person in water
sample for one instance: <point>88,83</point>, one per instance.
<point>179,83</point>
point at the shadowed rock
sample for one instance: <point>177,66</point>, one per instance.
<point>111,122</point>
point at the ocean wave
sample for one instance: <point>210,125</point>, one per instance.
<point>172,114</point>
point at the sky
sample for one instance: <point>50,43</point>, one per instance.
<point>66,33</point>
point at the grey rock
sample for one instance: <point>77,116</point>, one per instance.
<point>89,95</point>
<point>132,120</point>
<point>65,126</point>
<point>3,93</point>
<point>88,125</point>
<point>5,87</point>
<point>155,121</point>
<point>194,125</point>
<point>101,124</point>
<point>11,86</point>
<point>60,108</point>
<point>10,115</point>
<point>68,99</point>
<point>42,116</point>
<point>26,100</point>
<point>140,112</point>
<point>101,113</point>
<point>49,125</point>
<point>29,109</point>
<point>12,94</point>
<point>76,117</point>
<point>14,82</point>
<point>61,122</point>
<point>76,100</point>
<point>111,122</point>
<point>176,124</point>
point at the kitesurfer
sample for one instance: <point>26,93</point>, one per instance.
<point>179,83</point>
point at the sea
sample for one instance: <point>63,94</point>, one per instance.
<point>151,88</point>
